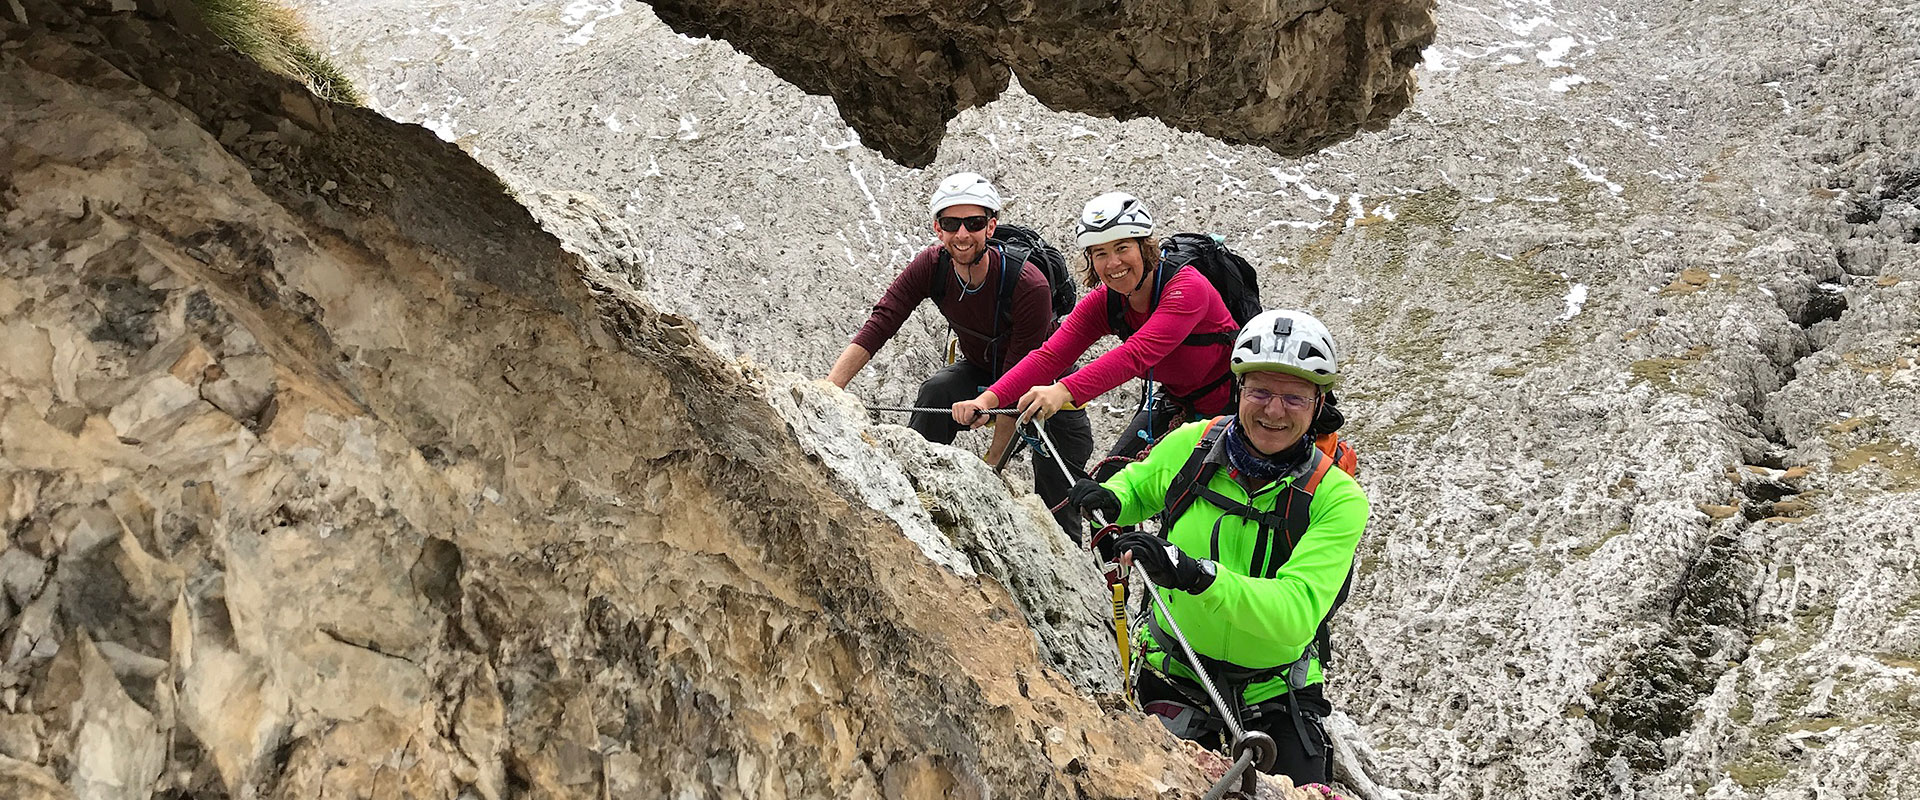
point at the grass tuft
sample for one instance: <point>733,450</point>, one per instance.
<point>276,37</point>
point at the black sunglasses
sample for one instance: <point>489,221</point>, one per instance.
<point>974,223</point>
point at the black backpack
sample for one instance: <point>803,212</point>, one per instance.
<point>1018,245</point>
<point>1230,275</point>
<point>1016,240</point>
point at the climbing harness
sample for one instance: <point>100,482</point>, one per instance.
<point>1250,749</point>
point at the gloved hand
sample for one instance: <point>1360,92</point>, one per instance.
<point>1089,497</point>
<point>1165,564</point>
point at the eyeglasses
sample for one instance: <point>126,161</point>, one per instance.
<point>951,224</point>
<point>1292,401</point>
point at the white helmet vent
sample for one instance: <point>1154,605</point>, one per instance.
<point>1290,342</point>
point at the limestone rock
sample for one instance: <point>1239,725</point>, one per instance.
<point>406,497</point>
<point>557,547</point>
<point>950,503</point>
<point>1542,608</point>
<point>20,736</point>
<point>113,747</point>
<point>28,781</point>
<point>1294,77</point>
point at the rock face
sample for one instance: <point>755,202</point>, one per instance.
<point>1628,301</point>
<point>325,471</point>
<point>1291,76</point>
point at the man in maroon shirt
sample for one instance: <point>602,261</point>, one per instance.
<point>964,277</point>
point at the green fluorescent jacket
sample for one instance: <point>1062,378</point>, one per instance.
<point>1254,623</point>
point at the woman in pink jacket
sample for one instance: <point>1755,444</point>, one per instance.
<point>1180,335</point>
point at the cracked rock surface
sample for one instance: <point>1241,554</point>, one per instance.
<point>326,471</point>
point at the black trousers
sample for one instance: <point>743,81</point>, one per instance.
<point>1148,425</point>
<point>1273,718</point>
<point>1069,430</point>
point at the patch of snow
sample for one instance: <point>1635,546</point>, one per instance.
<point>443,126</point>
<point>872,204</point>
<point>1595,176</point>
<point>1785,107</point>
<point>687,131</point>
<point>1566,83</point>
<point>1081,132</point>
<point>1526,27</point>
<point>1576,298</point>
<point>576,12</point>
<point>1557,48</point>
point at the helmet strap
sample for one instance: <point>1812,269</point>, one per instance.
<point>1143,278</point>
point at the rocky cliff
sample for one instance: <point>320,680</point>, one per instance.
<point>326,471</point>
<point>1291,76</point>
<point>1631,307</point>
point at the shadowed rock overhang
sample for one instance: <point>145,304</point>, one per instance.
<point>1293,76</point>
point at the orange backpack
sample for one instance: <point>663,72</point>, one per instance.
<point>1343,453</point>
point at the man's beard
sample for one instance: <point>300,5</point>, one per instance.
<point>977,256</point>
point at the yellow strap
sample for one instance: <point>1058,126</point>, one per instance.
<point>1120,639</point>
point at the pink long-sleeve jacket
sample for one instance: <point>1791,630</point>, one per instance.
<point>1188,305</point>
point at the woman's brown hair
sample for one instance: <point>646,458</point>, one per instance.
<point>1149,260</point>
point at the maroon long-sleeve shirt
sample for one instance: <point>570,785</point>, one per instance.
<point>974,316</point>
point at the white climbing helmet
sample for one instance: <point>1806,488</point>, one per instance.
<point>964,188</point>
<point>1111,217</point>
<point>1289,341</point>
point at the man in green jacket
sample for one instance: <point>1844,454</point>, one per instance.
<point>1260,536</point>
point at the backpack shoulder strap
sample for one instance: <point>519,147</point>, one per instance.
<point>937,289</point>
<point>1323,462</point>
<point>1013,262</point>
<point>1180,492</point>
<point>1117,315</point>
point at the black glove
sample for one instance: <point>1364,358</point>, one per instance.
<point>1165,564</point>
<point>1090,497</point>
